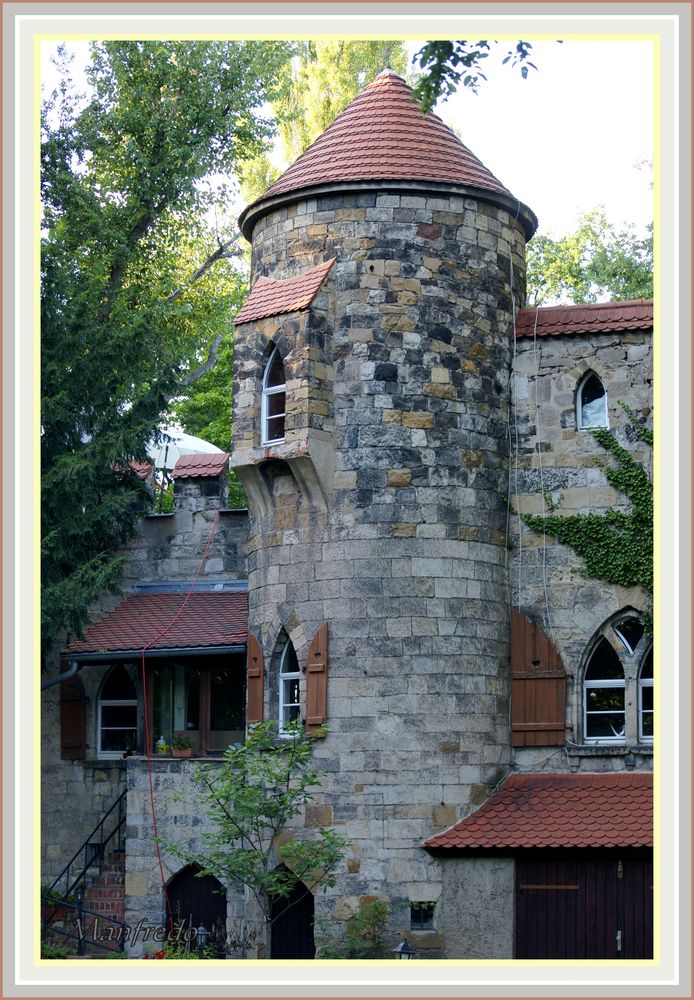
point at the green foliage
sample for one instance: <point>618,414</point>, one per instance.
<point>616,546</point>
<point>317,84</point>
<point>250,800</point>
<point>363,936</point>
<point>446,65</point>
<point>597,260</point>
<point>56,951</point>
<point>136,288</point>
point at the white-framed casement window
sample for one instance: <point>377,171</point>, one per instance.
<point>117,714</point>
<point>591,403</point>
<point>290,691</point>
<point>603,696</point>
<point>646,699</point>
<point>274,398</point>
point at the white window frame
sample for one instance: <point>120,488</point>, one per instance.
<point>290,675</point>
<point>108,703</point>
<point>602,684</point>
<point>580,425</point>
<point>266,393</point>
<point>644,682</point>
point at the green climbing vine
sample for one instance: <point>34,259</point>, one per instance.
<point>616,546</point>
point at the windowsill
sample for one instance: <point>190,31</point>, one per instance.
<point>611,749</point>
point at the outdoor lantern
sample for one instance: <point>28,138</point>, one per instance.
<point>203,935</point>
<point>404,950</point>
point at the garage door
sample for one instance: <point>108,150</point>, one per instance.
<point>573,908</point>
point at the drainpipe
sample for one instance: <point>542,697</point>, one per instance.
<point>74,667</point>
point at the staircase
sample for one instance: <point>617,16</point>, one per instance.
<point>105,894</point>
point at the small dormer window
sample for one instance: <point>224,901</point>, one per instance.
<point>591,403</point>
<point>274,400</point>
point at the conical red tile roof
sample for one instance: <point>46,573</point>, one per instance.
<point>383,136</point>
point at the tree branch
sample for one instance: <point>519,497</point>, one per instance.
<point>221,253</point>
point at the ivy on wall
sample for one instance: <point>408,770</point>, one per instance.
<point>616,546</point>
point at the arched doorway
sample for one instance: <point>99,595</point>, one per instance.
<point>291,933</point>
<point>199,900</point>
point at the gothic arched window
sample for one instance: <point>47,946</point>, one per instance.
<point>273,400</point>
<point>591,403</point>
<point>604,696</point>
<point>289,693</point>
<point>646,699</point>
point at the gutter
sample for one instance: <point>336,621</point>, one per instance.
<point>68,675</point>
<point>108,656</point>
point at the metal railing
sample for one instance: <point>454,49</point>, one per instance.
<point>75,925</point>
<point>92,852</point>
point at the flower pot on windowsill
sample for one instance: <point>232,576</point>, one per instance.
<point>182,751</point>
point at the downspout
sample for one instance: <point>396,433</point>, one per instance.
<point>74,667</point>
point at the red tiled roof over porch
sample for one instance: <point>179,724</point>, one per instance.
<point>168,621</point>
<point>587,318</point>
<point>558,810</point>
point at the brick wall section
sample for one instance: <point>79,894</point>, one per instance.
<point>553,455</point>
<point>405,556</point>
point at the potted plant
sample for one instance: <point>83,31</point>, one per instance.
<point>181,745</point>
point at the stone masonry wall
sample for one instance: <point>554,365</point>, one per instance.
<point>556,458</point>
<point>405,557</point>
<point>166,548</point>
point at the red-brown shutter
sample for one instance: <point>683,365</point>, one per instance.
<point>255,680</point>
<point>538,693</point>
<point>317,683</point>
<point>73,720</point>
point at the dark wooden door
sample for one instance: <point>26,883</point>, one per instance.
<point>197,901</point>
<point>291,934</point>
<point>594,908</point>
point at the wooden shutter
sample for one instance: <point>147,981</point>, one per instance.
<point>538,693</point>
<point>73,720</point>
<point>317,683</point>
<point>255,680</point>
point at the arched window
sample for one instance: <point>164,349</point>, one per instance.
<point>273,400</point>
<point>646,699</point>
<point>117,714</point>
<point>629,631</point>
<point>591,403</point>
<point>289,694</point>
<point>604,696</point>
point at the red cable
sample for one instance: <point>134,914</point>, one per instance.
<point>146,710</point>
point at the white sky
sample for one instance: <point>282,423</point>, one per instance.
<point>566,139</point>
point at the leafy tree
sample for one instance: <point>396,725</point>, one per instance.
<point>595,262</point>
<point>135,285</point>
<point>447,64</point>
<point>250,799</point>
<point>319,83</point>
<point>616,546</point>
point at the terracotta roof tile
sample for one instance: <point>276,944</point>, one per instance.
<point>603,317</point>
<point>199,466</point>
<point>383,135</point>
<point>559,810</point>
<point>207,619</point>
<point>272,297</point>
<point>141,469</point>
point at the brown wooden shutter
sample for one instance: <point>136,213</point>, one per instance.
<point>317,683</point>
<point>255,680</point>
<point>73,720</point>
<point>538,693</point>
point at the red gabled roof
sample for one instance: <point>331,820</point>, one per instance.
<point>383,136</point>
<point>207,619</point>
<point>199,466</point>
<point>272,297</point>
<point>559,810</point>
<point>602,317</point>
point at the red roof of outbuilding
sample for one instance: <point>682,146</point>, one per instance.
<point>199,466</point>
<point>603,317</point>
<point>272,297</point>
<point>383,136</point>
<point>207,619</point>
<point>559,810</point>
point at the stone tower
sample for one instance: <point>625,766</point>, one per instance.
<point>371,402</point>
